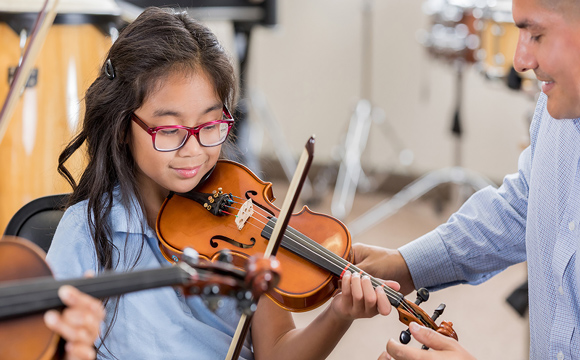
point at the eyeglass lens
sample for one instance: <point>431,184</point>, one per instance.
<point>173,138</point>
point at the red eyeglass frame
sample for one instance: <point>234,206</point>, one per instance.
<point>190,130</point>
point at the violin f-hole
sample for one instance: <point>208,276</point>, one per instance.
<point>214,244</point>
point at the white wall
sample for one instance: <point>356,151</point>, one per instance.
<point>309,68</point>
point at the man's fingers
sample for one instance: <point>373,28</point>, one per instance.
<point>431,338</point>
<point>403,352</point>
<point>384,356</point>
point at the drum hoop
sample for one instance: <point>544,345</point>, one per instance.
<point>25,20</point>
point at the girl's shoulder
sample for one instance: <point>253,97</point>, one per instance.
<point>72,251</point>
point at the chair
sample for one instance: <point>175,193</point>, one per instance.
<point>37,220</point>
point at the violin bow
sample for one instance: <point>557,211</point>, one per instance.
<point>288,205</point>
<point>43,21</point>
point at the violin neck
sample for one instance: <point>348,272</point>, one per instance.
<point>320,256</point>
<point>25,297</point>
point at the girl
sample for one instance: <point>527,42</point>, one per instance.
<point>167,70</point>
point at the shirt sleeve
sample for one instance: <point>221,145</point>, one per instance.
<point>485,236</point>
<point>72,252</point>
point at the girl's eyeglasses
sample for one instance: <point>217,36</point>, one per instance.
<point>173,137</point>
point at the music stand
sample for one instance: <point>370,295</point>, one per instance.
<point>350,173</point>
<point>456,175</point>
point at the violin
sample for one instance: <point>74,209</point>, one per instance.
<point>233,211</point>
<point>27,289</point>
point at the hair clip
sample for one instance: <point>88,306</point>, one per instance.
<point>109,69</point>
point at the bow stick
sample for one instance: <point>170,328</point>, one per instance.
<point>43,22</point>
<point>277,235</point>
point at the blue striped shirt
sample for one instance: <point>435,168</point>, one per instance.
<point>533,216</point>
<point>152,324</point>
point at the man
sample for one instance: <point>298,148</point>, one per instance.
<point>533,216</point>
<point>78,323</point>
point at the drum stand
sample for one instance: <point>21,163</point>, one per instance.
<point>416,189</point>
<point>350,173</point>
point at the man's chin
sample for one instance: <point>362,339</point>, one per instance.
<point>561,112</point>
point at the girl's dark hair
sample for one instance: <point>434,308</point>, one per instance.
<point>159,42</point>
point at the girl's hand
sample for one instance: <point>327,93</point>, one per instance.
<point>78,323</point>
<point>358,299</point>
<point>442,347</point>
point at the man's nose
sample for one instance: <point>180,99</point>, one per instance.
<point>524,58</point>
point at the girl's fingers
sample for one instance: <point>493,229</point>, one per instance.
<point>56,323</point>
<point>383,304</point>
<point>392,284</point>
<point>370,296</point>
<point>357,294</point>
<point>79,351</point>
<point>73,298</point>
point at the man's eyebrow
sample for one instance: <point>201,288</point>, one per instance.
<point>527,24</point>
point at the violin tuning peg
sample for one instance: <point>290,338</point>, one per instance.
<point>405,337</point>
<point>246,303</point>
<point>211,296</point>
<point>225,256</point>
<point>438,311</point>
<point>213,303</point>
<point>190,256</point>
<point>422,296</point>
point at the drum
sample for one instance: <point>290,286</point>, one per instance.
<point>454,32</point>
<point>499,39</point>
<point>50,106</point>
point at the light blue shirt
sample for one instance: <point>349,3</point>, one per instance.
<point>535,212</point>
<point>152,324</point>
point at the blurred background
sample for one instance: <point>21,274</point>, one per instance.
<point>414,105</point>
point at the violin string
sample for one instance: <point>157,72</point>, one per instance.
<point>308,243</point>
<point>334,259</point>
<point>316,249</point>
<point>330,255</point>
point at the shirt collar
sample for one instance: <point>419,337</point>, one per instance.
<point>131,219</point>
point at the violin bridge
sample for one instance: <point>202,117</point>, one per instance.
<point>246,211</point>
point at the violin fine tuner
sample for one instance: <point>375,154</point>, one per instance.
<point>216,202</point>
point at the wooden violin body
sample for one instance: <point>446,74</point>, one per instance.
<point>231,210</point>
<point>309,285</point>
<point>27,289</point>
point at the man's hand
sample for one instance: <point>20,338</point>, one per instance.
<point>442,347</point>
<point>78,323</point>
<point>383,263</point>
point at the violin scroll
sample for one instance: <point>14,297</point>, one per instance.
<point>214,279</point>
<point>411,312</point>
